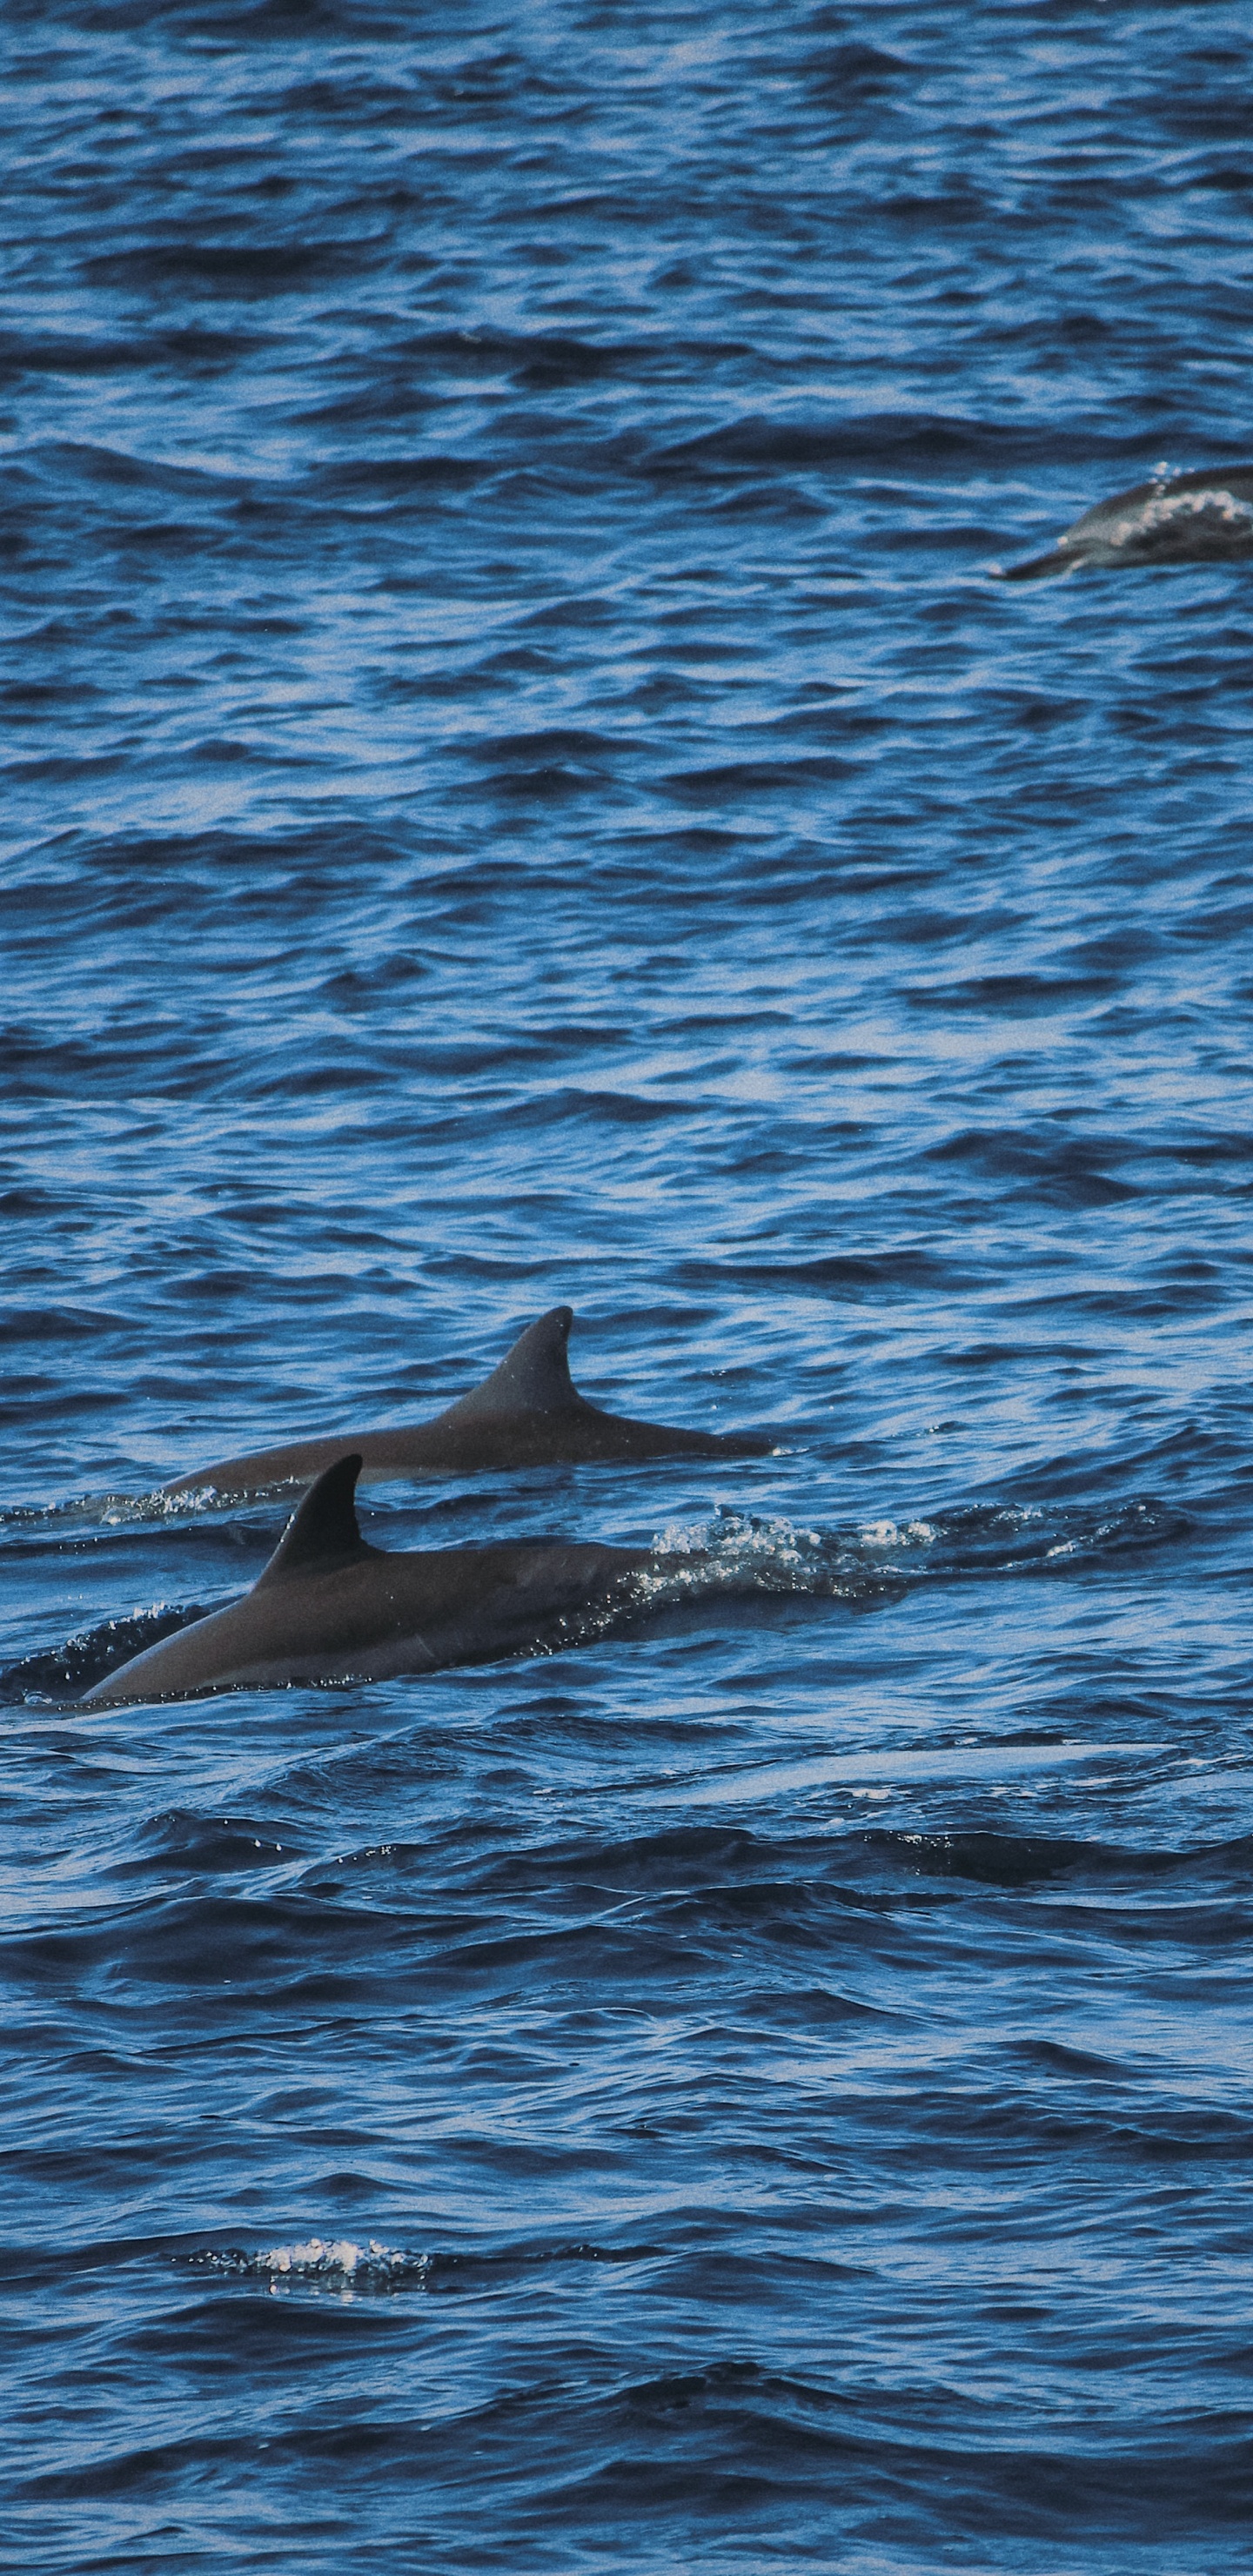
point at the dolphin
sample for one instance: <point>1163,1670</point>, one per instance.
<point>528,1413</point>
<point>1184,518</point>
<point>330,1608</point>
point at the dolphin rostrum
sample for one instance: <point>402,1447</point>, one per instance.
<point>528,1413</point>
<point>1183,518</point>
<point>330,1608</point>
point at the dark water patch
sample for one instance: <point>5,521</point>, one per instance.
<point>1015,1860</point>
<point>737,778</point>
<point>572,611</point>
<point>852,71</point>
<point>30,1203</point>
<point>1062,1172</point>
<point>252,22</point>
<point>359,92</point>
<point>229,268</point>
<point>53,1324</point>
<point>1012,996</point>
<point>116,471</point>
<point>281,1948</point>
<point>539,361</point>
<point>391,478</point>
<point>32,353</point>
<point>909,1268</point>
<point>614,1108</point>
<point>880,441</point>
<point>759,1875</point>
<point>552,745</point>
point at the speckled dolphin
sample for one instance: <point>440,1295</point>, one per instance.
<point>1184,518</point>
<point>328,1607</point>
<point>528,1413</point>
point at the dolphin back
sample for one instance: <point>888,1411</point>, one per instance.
<point>328,1607</point>
<point>527,1413</point>
<point>1205,517</point>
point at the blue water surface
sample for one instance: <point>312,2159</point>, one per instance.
<point>522,787</point>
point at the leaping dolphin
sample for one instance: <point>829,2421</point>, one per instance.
<point>1186,518</point>
<point>330,1608</point>
<point>528,1413</point>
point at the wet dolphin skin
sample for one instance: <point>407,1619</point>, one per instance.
<point>528,1413</point>
<point>1186,518</point>
<point>329,1607</point>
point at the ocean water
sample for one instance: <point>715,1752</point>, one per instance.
<point>520,786</point>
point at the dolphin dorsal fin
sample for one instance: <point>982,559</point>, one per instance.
<point>534,1377</point>
<point>323,1533</point>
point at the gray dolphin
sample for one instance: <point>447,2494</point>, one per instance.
<point>329,1608</point>
<point>1184,518</point>
<point>528,1413</point>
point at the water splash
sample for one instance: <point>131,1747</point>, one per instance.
<point>110,1511</point>
<point>336,2263</point>
<point>748,1552</point>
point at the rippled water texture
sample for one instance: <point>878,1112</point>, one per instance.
<point>521,788</point>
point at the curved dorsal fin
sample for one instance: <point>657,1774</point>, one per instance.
<point>323,1533</point>
<point>534,1377</point>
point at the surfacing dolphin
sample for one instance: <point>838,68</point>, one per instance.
<point>330,1608</point>
<point>1186,518</point>
<point>528,1413</point>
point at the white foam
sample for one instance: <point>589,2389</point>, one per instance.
<point>890,1534</point>
<point>324,2257</point>
<point>770,1552</point>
